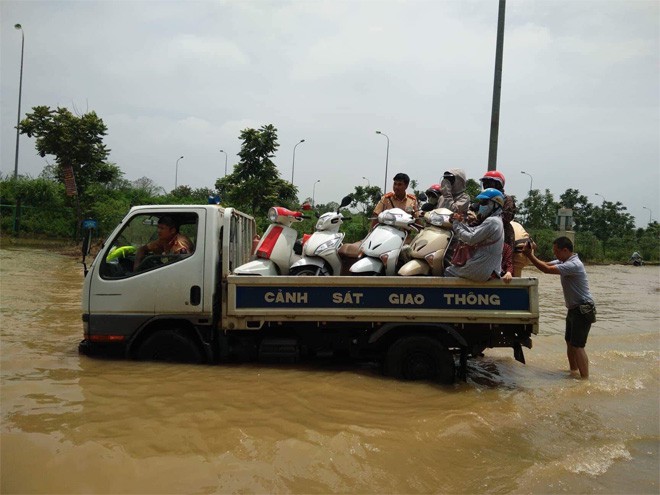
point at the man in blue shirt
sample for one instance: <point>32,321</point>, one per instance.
<point>581,310</point>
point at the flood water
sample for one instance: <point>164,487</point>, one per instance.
<point>73,424</point>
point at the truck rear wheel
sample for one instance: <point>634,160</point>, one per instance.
<point>420,358</point>
<point>170,345</point>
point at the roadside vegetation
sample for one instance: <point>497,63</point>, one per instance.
<point>81,184</point>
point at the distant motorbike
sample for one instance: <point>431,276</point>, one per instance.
<point>430,245</point>
<point>379,252</point>
<point>320,250</point>
<point>274,253</point>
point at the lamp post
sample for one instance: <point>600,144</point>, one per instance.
<point>604,200</point>
<point>650,213</point>
<point>368,183</point>
<point>531,181</point>
<point>314,192</point>
<point>176,172</point>
<point>20,92</point>
<point>293,164</point>
<point>223,151</point>
<point>387,157</point>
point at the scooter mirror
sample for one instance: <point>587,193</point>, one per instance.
<point>422,196</point>
<point>346,201</point>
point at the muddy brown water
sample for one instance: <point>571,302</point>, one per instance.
<point>73,424</point>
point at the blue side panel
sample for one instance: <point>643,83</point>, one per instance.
<point>510,299</point>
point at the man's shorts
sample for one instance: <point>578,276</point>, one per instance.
<point>577,328</point>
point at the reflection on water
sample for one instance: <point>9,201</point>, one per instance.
<point>107,426</point>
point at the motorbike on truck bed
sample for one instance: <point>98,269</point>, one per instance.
<point>379,251</point>
<point>320,250</point>
<point>428,248</point>
<point>274,253</point>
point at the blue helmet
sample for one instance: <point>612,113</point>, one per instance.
<point>493,195</point>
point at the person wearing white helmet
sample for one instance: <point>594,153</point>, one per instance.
<point>483,242</point>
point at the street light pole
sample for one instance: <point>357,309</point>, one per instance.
<point>368,183</point>
<point>314,192</point>
<point>176,172</point>
<point>650,213</point>
<point>293,164</point>
<point>20,93</point>
<point>223,151</point>
<point>604,200</point>
<point>531,181</point>
<point>387,158</point>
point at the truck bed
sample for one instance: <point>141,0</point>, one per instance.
<point>251,301</point>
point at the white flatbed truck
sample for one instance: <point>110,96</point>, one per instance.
<point>192,308</point>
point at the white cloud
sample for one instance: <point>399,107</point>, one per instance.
<point>579,89</point>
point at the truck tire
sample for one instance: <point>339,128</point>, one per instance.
<point>170,345</point>
<point>418,357</point>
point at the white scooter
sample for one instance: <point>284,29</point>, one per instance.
<point>274,252</point>
<point>379,252</point>
<point>430,245</point>
<point>319,251</point>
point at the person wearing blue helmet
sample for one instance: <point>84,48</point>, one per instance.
<point>479,256</point>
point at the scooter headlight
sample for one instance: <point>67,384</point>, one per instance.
<point>387,218</point>
<point>272,215</point>
<point>438,219</point>
<point>327,245</point>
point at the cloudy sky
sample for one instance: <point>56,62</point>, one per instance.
<point>580,89</point>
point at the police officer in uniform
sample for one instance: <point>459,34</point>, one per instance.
<point>397,198</point>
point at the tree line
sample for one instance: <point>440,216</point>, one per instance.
<point>81,183</point>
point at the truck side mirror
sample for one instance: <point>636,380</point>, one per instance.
<point>88,226</point>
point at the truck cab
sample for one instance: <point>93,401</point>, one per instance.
<point>125,304</point>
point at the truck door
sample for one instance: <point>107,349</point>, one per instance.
<point>164,279</point>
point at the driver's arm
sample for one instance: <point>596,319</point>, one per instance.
<point>139,256</point>
<point>141,252</point>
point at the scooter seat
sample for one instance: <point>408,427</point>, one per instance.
<point>351,250</point>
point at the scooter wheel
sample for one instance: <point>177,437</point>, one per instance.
<point>306,271</point>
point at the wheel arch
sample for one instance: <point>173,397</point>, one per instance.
<point>389,332</point>
<point>151,327</point>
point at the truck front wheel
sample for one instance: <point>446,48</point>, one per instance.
<point>420,358</point>
<point>170,345</point>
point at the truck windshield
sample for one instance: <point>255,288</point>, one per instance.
<point>149,242</point>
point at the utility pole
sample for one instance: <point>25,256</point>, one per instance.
<point>497,88</point>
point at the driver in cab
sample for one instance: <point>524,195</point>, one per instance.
<point>169,241</point>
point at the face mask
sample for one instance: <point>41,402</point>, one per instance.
<point>484,210</point>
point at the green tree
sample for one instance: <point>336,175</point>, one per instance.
<point>255,185</point>
<point>472,188</point>
<point>75,141</point>
<point>365,199</point>
<point>649,242</point>
<point>582,209</point>
<point>43,206</point>
<point>611,220</point>
<point>539,211</point>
